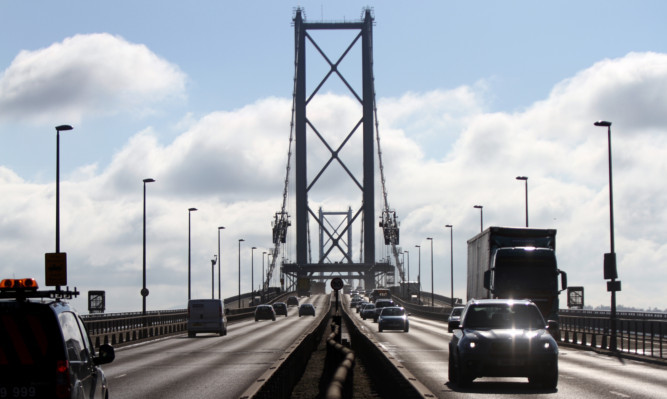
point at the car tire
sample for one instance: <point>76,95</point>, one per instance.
<point>461,378</point>
<point>406,329</point>
<point>379,328</point>
<point>549,380</point>
<point>191,334</point>
<point>256,319</point>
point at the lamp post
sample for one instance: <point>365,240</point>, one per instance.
<point>432,300</point>
<point>240,241</point>
<point>451,261</point>
<point>190,252</point>
<point>213,262</point>
<point>263,276</point>
<point>481,216</point>
<point>144,290</point>
<point>610,271</point>
<point>408,253</point>
<point>219,260</point>
<point>419,274</point>
<point>525,178</point>
<point>58,130</point>
<point>252,270</point>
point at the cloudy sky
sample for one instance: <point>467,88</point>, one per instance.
<point>198,96</point>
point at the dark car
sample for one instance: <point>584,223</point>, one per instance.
<point>393,318</point>
<point>503,338</point>
<point>280,308</point>
<point>361,305</point>
<point>306,309</point>
<point>379,304</point>
<point>45,350</point>
<point>454,316</point>
<point>292,301</point>
<point>265,312</point>
<point>367,311</point>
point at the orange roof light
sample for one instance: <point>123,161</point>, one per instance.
<point>19,284</point>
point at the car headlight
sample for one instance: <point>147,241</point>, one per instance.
<point>472,344</point>
<point>547,345</point>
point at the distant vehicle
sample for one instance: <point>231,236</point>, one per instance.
<point>265,312</point>
<point>393,318</point>
<point>379,304</point>
<point>379,293</point>
<point>356,299</point>
<point>303,286</point>
<point>508,262</point>
<point>306,309</point>
<point>361,305</point>
<point>368,311</point>
<point>280,308</point>
<point>454,316</point>
<point>292,301</point>
<point>503,338</point>
<point>206,316</point>
<point>45,350</point>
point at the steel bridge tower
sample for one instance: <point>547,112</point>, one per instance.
<point>367,268</point>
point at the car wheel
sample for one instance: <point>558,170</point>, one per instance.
<point>256,319</point>
<point>379,328</point>
<point>451,372</point>
<point>463,379</point>
<point>406,329</point>
<point>549,379</point>
<point>191,334</point>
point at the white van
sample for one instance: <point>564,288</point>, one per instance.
<point>206,316</point>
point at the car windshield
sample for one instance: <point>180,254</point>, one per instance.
<point>393,312</point>
<point>457,311</point>
<point>503,316</point>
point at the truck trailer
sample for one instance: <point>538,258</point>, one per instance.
<point>516,263</point>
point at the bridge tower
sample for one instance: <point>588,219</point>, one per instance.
<point>366,268</point>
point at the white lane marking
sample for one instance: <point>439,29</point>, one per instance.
<point>622,395</point>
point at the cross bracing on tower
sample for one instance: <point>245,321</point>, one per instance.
<point>334,149</point>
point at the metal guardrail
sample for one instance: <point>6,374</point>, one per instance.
<point>124,328</point>
<point>643,334</point>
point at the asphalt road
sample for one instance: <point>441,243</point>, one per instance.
<point>208,366</point>
<point>582,374</point>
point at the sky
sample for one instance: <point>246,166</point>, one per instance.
<point>198,96</point>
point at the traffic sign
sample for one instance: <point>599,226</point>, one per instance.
<point>55,268</point>
<point>337,283</point>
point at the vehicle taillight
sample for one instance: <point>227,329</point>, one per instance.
<point>63,389</point>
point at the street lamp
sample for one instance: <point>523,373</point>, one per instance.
<point>219,260</point>
<point>240,241</point>
<point>408,252</point>
<point>213,262</point>
<point>58,130</point>
<point>252,270</point>
<point>432,301</point>
<point>263,276</point>
<point>144,290</point>
<point>525,178</point>
<point>189,251</point>
<point>610,271</point>
<point>419,274</point>
<point>481,216</point>
<point>451,263</point>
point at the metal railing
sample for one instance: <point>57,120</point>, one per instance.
<point>637,333</point>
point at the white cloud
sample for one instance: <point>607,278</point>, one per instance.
<point>92,74</point>
<point>230,165</point>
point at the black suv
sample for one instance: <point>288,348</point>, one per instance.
<point>45,351</point>
<point>503,338</point>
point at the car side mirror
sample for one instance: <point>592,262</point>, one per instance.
<point>106,354</point>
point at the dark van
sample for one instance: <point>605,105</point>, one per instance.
<point>206,316</point>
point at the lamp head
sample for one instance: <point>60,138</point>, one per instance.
<point>602,123</point>
<point>63,128</point>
